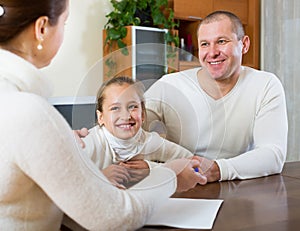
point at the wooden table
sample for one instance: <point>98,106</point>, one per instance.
<point>262,204</point>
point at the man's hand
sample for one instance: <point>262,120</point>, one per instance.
<point>187,177</point>
<point>209,168</point>
<point>83,132</point>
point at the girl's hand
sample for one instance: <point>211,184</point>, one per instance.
<point>135,164</point>
<point>138,170</point>
<point>118,175</point>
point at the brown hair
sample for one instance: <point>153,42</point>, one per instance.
<point>121,80</point>
<point>237,26</point>
<point>19,14</point>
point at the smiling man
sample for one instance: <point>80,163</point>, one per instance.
<point>231,116</point>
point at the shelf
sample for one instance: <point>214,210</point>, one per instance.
<point>184,65</point>
<point>189,17</point>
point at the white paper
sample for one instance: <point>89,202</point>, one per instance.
<point>186,213</point>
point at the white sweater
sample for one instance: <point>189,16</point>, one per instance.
<point>42,172</point>
<point>152,147</point>
<point>245,131</point>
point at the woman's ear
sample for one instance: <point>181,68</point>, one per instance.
<point>100,118</point>
<point>41,25</point>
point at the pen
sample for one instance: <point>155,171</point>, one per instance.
<point>198,170</point>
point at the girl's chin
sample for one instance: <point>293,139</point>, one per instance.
<point>125,135</point>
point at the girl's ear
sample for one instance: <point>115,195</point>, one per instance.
<point>143,116</point>
<point>99,118</point>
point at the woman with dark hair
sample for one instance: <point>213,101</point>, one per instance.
<point>42,171</point>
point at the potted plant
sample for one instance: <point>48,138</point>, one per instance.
<point>155,13</point>
<point>128,12</point>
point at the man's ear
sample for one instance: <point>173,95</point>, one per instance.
<point>246,44</point>
<point>41,28</point>
<point>99,118</point>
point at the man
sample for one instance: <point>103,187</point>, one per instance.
<point>232,117</point>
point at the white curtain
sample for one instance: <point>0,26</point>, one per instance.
<point>280,54</point>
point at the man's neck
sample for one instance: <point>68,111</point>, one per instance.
<point>216,88</point>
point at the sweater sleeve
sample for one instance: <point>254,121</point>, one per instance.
<point>154,118</point>
<point>163,150</point>
<point>269,137</point>
<point>55,163</point>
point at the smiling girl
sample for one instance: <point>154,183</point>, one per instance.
<point>118,144</point>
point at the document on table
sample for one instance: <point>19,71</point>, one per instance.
<point>186,213</point>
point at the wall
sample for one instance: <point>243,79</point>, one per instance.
<point>76,69</point>
<point>280,55</point>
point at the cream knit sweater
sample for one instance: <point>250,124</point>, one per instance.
<point>153,148</point>
<point>245,131</point>
<point>43,174</point>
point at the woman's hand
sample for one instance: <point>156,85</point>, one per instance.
<point>187,177</point>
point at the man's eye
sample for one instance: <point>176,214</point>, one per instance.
<point>203,44</point>
<point>222,41</point>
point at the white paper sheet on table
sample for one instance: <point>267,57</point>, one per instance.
<point>186,213</point>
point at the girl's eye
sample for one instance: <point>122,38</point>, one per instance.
<point>114,108</point>
<point>133,106</point>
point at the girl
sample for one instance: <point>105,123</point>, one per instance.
<point>119,139</point>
